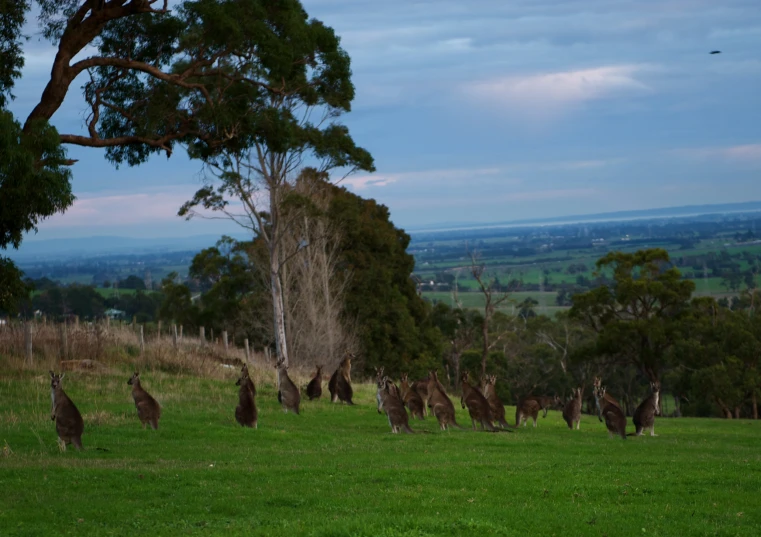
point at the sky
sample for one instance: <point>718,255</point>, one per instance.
<point>486,111</point>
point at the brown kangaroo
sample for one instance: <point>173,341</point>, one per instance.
<point>287,393</point>
<point>440,404</point>
<point>411,398</point>
<point>545,402</point>
<point>644,416</point>
<point>148,410</point>
<point>421,388</point>
<point>606,397</point>
<point>246,413</point>
<point>572,410</point>
<point>495,403</point>
<point>525,409</point>
<point>478,406</point>
<point>390,403</point>
<point>68,421</point>
<point>340,382</point>
<point>614,418</point>
<point>314,388</point>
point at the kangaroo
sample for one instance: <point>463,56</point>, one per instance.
<point>525,409</point>
<point>572,410</point>
<point>421,388</point>
<point>614,417</point>
<point>287,393</point>
<point>148,410</point>
<point>68,421</point>
<point>644,416</point>
<point>606,397</point>
<point>495,403</point>
<point>314,388</point>
<point>478,406</point>
<point>246,413</point>
<point>440,404</point>
<point>411,398</point>
<point>390,403</point>
<point>340,382</point>
<point>545,402</point>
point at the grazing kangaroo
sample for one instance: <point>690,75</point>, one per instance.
<point>340,382</point>
<point>390,403</point>
<point>287,393</point>
<point>495,403</point>
<point>572,410</point>
<point>644,416</point>
<point>148,410</point>
<point>421,388</point>
<point>545,402</point>
<point>440,404</point>
<point>314,388</point>
<point>68,420</point>
<point>525,409</point>
<point>246,413</point>
<point>478,406</point>
<point>611,413</point>
<point>411,398</point>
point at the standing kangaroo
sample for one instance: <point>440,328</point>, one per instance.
<point>68,420</point>
<point>148,410</point>
<point>572,410</point>
<point>246,413</point>
<point>606,397</point>
<point>390,403</point>
<point>411,398</point>
<point>644,416</point>
<point>314,388</point>
<point>421,388</point>
<point>340,382</point>
<point>287,393</point>
<point>440,404</point>
<point>614,418</point>
<point>478,406</point>
<point>495,403</point>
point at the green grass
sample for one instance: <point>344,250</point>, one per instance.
<point>336,470</point>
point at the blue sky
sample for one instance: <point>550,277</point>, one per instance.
<point>484,111</point>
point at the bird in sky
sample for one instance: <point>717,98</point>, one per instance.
<point>715,52</point>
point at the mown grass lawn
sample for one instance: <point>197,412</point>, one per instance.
<point>337,470</point>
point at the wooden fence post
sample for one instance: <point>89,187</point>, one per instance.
<point>64,343</point>
<point>212,335</point>
<point>180,332</point>
<point>248,354</point>
<point>202,335</point>
<point>174,336</point>
<point>224,340</point>
<point>267,353</point>
<point>76,322</point>
<point>142,341</point>
<point>28,341</point>
<point>159,330</point>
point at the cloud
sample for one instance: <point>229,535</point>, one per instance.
<point>549,93</point>
<point>363,182</point>
<point>738,153</point>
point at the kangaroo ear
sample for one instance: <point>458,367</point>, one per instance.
<point>63,375</point>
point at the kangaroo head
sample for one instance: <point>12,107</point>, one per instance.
<point>134,379</point>
<point>280,364</point>
<point>493,380</point>
<point>656,387</point>
<point>55,380</point>
<point>597,383</point>
<point>579,392</point>
<point>464,376</point>
<point>404,378</point>
<point>243,375</point>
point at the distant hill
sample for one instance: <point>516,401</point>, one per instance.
<point>40,250</point>
<point>664,212</point>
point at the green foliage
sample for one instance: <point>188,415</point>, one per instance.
<point>12,289</point>
<point>12,14</point>
<point>636,316</point>
<point>395,328</point>
<point>337,471</point>
<point>132,282</point>
<point>177,305</point>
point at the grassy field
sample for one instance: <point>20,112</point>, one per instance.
<point>336,470</point>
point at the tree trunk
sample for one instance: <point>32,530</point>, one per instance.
<point>725,409</point>
<point>281,345</point>
<point>737,412</point>
<point>485,351</point>
<point>755,405</point>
